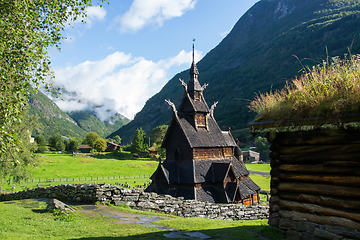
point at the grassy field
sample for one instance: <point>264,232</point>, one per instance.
<point>258,167</point>
<point>261,181</point>
<point>65,165</point>
<point>28,219</point>
<point>65,168</point>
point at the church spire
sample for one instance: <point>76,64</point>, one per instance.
<point>194,84</point>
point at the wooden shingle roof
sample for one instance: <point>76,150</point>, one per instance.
<point>212,136</point>
<point>201,171</point>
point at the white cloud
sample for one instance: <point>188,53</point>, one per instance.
<point>155,12</point>
<point>118,82</point>
<point>94,13</point>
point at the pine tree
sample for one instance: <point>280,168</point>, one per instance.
<point>139,144</point>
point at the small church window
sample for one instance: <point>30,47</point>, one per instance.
<point>197,96</point>
<point>200,120</point>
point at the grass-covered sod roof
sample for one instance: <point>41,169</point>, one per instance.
<point>328,89</point>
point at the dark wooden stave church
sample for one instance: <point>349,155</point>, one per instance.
<point>202,162</point>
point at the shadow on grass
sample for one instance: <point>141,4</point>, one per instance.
<point>40,210</point>
<point>241,233</point>
<point>120,156</point>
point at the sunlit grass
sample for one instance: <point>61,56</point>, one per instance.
<point>67,166</point>
<point>28,219</point>
<point>329,89</point>
<point>258,167</point>
<point>262,181</point>
<point>70,168</point>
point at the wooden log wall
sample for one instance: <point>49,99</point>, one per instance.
<point>315,183</point>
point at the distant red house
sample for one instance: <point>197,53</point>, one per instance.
<point>112,147</point>
<point>85,148</point>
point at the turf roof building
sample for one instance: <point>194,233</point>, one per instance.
<point>202,162</point>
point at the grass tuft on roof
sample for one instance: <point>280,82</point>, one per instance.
<point>328,89</point>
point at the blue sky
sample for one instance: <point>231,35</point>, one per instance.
<point>129,49</point>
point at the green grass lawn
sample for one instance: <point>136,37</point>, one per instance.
<point>258,167</point>
<point>28,219</point>
<point>261,181</point>
<point>102,169</point>
<point>67,166</point>
<point>66,169</point>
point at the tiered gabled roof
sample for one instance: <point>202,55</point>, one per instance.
<point>188,104</point>
<point>203,162</point>
<point>212,136</point>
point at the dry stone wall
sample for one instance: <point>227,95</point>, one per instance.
<point>138,199</point>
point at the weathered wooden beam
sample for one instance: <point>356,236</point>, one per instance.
<point>340,148</point>
<point>317,199</point>
<point>316,140</point>
<point>309,168</point>
<point>354,164</point>
<point>321,189</point>
<point>329,179</point>
<point>322,133</point>
<point>328,220</point>
<point>318,158</point>
<point>317,209</point>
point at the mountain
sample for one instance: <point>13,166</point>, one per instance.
<point>52,118</point>
<point>90,123</point>
<point>74,124</point>
<point>270,44</point>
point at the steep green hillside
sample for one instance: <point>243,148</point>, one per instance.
<point>52,118</point>
<point>90,123</point>
<point>258,55</point>
<point>74,124</point>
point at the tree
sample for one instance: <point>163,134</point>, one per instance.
<point>157,136</point>
<point>73,145</point>
<point>100,145</point>
<point>57,142</point>
<point>91,138</point>
<point>27,29</point>
<point>262,146</point>
<point>139,144</point>
<point>117,139</point>
<point>60,145</point>
<point>14,161</point>
<point>41,142</point>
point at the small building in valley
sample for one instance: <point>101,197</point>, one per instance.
<point>85,148</point>
<point>112,147</point>
<point>251,156</point>
<point>202,161</point>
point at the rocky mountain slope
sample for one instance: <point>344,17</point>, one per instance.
<point>271,43</point>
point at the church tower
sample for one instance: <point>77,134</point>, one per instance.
<point>202,162</point>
